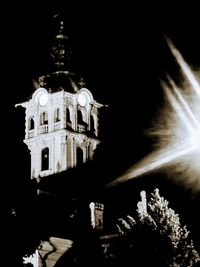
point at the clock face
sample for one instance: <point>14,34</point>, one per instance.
<point>43,99</point>
<point>82,100</point>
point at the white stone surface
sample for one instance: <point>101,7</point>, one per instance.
<point>47,126</point>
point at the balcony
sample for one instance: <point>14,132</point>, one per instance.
<point>43,129</point>
<point>81,128</point>
<point>31,133</point>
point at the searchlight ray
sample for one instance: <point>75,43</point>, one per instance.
<point>182,126</point>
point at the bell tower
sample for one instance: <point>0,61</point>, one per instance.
<point>61,117</point>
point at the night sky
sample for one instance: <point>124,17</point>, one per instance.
<point>122,54</point>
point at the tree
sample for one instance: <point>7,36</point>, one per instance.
<point>155,238</point>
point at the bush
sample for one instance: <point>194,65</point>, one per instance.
<point>155,238</point>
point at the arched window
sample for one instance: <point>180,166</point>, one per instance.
<point>81,124</point>
<point>79,156</point>
<point>68,118</point>
<point>57,115</point>
<point>44,118</point>
<point>31,124</point>
<point>80,118</point>
<point>45,159</point>
<point>92,125</point>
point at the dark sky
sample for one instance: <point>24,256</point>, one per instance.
<point>121,53</point>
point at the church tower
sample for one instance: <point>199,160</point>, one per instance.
<point>61,117</point>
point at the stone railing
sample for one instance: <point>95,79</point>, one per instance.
<point>81,128</point>
<point>31,133</point>
<point>43,129</point>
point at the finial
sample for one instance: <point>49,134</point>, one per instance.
<point>82,83</point>
<point>60,50</point>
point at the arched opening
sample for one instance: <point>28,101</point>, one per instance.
<point>31,124</point>
<point>68,119</point>
<point>44,118</point>
<point>81,124</point>
<point>80,117</point>
<point>45,159</point>
<point>92,125</point>
<point>79,156</point>
<point>57,115</point>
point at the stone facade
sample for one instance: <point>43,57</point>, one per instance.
<point>61,129</point>
<point>61,132</point>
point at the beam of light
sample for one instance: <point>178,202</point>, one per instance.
<point>182,101</point>
<point>189,75</point>
<point>154,163</point>
<point>177,108</point>
<point>178,131</point>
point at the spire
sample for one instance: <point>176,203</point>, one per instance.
<point>59,76</point>
<point>61,52</point>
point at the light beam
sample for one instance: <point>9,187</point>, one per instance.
<point>179,136</point>
<point>188,74</point>
<point>182,101</point>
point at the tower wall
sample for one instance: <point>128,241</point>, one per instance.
<point>63,123</point>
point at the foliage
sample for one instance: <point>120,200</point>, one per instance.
<point>155,238</point>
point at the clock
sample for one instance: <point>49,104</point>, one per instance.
<point>82,100</point>
<point>43,99</point>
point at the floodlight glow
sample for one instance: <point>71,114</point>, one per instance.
<point>178,131</point>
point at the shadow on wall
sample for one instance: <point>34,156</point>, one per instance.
<point>85,251</point>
